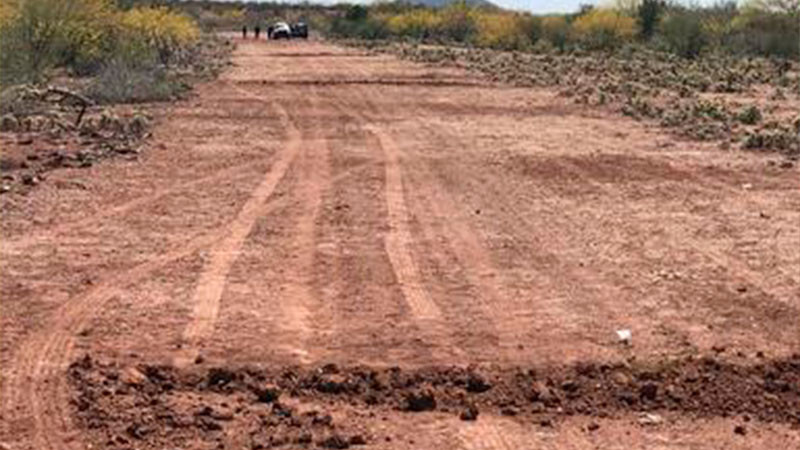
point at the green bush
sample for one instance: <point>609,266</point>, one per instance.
<point>648,16</point>
<point>457,23</point>
<point>749,115</point>
<point>555,30</point>
<point>683,33</point>
<point>766,33</point>
<point>603,29</point>
<point>82,35</point>
<point>121,81</point>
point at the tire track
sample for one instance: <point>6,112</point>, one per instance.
<point>487,282</point>
<point>488,433</point>
<point>288,306</point>
<point>27,241</point>
<point>398,241</point>
<point>398,244</point>
<point>36,382</point>
<point>208,292</point>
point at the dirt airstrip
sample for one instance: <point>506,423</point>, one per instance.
<point>325,248</point>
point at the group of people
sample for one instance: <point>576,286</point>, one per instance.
<point>256,31</point>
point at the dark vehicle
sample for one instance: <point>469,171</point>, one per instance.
<point>300,30</point>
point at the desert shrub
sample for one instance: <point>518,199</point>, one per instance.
<point>167,32</point>
<point>765,32</point>
<point>418,23</point>
<point>603,28</point>
<point>749,115</point>
<point>501,30</point>
<point>457,23</point>
<point>356,13</point>
<point>370,28</point>
<point>683,33</point>
<point>25,52</point>
<point>555,30</point>
<point>123,81</point>
<point>357,22</point>
<point>648,15</point>
<point>40,34</point>
<point>718,23</point>
<point>531,26</point>
<point>82,35</point>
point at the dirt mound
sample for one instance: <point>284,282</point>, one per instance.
<point>159,406</point>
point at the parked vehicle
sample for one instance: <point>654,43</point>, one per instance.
<point>280,30</point>
<point>300,30</point>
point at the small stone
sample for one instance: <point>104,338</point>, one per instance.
<point>268,393</point>
<point>335,441</point>
<point>325,420</point>
<point>740,430</point>
<point>509,411</point>
<point>649,391</point>
<point>593,426</point>
<point>223,414</point>
<point>649,419</point>
<point>541,392</point>
<point>132,376</point>
<point>30,179</point>
<point>570,386</point>
<point>304,438</point>
<point>621,378</point>
<point>357,439</point>
<point>333,384</point>
<point>477,383</point>
<point>9,123</point>
<point>786,164</point>
<point>470,413</point>
<point>420,401</point>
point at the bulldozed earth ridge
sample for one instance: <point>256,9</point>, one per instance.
<point>156,406</point>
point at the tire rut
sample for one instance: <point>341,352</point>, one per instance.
<point>36,384</point>
<point>211,284</point>
<point>20,244</point>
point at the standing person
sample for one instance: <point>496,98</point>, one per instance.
<point>258,31</point>
<point>244,32</point>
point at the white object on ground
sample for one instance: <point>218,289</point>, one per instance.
<point>650,419</point>
<point>624,336</point>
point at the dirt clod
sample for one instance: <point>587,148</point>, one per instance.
<point>422,400</point>
<point>477,383</point>
<point>335,441</point>
<point>469,413</point>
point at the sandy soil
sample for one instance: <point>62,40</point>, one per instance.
<point>318,214</point>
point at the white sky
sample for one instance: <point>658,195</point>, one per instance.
<point>536,6</point>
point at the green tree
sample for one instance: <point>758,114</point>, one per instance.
<point>648,15</point>
<point>684,34</point>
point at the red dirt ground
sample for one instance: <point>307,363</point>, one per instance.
<point>318,216</point>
